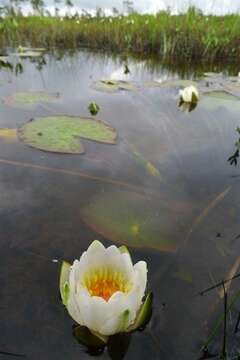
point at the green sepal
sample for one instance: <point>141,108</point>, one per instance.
<point>194,98</point>
<point>85,337</point>
<point>63,281</point>
<point>123,250</point>
<point>123,321</point>
<point>144,314</point>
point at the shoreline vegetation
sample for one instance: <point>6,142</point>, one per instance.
<point>190,37</point>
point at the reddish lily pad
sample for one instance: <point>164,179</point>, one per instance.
<point>133,220</point>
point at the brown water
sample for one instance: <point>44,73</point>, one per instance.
<point>193,205</point>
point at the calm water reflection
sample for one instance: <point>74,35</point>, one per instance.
<point>44,197</point>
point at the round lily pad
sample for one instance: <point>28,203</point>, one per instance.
<point>133,220</point>
<point>113,86</point>
<point>30,99</point>
<point>61,133</point>
<point>177,83</point>
<point>222,95</point>
<point>215,99</point>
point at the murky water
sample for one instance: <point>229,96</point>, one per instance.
<point>175,199</point>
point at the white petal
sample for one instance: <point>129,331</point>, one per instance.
<point>141,269</point>
<point>83,300</point>
<point>74,275</point>
<point>73,309</point>
<point>135,296</point>
<point>95,247</point>
<point>116,307</point>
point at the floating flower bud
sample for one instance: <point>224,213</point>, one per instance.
<point>189,94</point>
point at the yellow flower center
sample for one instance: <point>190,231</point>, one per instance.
<point>105,282</point>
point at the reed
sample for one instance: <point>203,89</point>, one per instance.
<point>190,36</point>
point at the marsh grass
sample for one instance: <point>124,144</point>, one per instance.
<point>189,36</point>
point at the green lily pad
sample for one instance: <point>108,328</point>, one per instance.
<point>85,337</point>
<point>134,220</point>
<point>178,83</point>
<point>61,133</point>
<point>233,86</point>
<point>30,99</point>
<point>222,95</point>
<point>113,86</point>
<point>214,100</point>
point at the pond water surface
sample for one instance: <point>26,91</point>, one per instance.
<point>165,189</point>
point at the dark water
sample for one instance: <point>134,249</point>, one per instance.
<point>193,204</point>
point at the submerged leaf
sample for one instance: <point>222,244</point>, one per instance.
<point>183,275</point>
<point>61,133</point>
<point>133,220</point>
<point>152,169</point>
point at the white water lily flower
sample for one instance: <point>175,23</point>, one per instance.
<point>189,94</point>
<point>104,290</point>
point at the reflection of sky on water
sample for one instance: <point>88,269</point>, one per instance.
<point>44,196</point>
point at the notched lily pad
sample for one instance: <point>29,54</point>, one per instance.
<point>62,133</point>
<point>113,86</point>
<point>30,99</point>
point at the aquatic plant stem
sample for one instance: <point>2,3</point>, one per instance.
<point>224,354</point>
<point>134,188</point>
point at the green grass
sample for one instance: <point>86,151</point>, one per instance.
<point>190,36</point>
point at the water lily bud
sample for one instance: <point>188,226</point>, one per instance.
<point>189,94</point>
<point>93,108</point>
<point>103,291</point>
